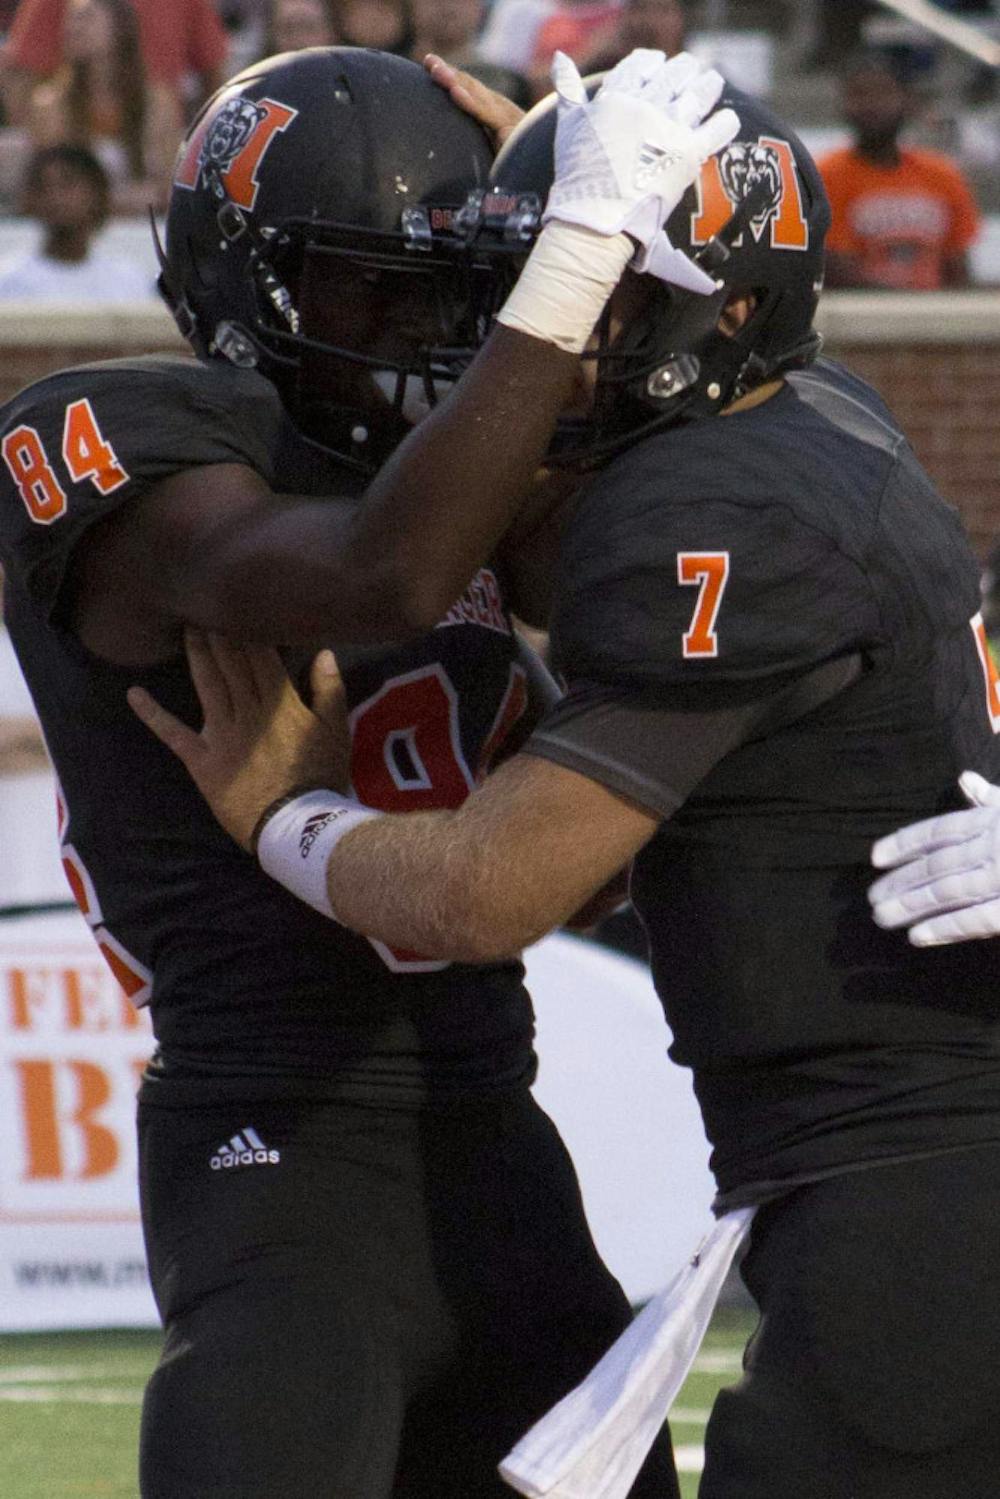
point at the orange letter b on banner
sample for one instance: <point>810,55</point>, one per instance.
<point>46,1129</point>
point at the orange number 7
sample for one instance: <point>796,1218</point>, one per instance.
<point>709,572</point>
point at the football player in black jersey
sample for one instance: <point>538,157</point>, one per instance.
<point>767,622</point>
<point>366,1242</point>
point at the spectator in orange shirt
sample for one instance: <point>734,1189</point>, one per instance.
<point>903,219</point>
<point>178,37</point>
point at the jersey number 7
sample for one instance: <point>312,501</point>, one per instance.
<point>709,573</point>
<point>85,452</point>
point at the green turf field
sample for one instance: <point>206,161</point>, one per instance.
<point>69,1409</point>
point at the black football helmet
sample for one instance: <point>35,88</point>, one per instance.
<point>309,234</point>
<point>756,221</point>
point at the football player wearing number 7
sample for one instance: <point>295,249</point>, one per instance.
<point>766,621</point>
<point>366,1241</point>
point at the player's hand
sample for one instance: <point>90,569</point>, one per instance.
<point>258,741</point>
<point>497,114</point>
<point>945,879</point>
<point>625,159</point>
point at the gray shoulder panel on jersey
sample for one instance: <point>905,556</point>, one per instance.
<point>654,747</point>
<point>847,413</point>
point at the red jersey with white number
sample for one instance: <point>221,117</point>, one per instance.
<point>243,980</point>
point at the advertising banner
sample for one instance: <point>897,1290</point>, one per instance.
<point>72,1048</point>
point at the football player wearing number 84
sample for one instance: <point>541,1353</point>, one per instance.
<point>366,1242</point>
<point>766,620</point>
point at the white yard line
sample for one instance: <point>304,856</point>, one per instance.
<point>719,1361</point>
<point>61,1395</point>
<point>56,1373</point>
<point>689,1459</point>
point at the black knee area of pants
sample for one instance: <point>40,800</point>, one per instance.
<point>879,1296</point>
<point>767,1440</point>
<point>873,1372</point>
<point>380,1314</point>
<point>764,1442</point>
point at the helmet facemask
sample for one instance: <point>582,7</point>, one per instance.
<point>756,222</point>
<point>384,326</point>
<point>310,236</point>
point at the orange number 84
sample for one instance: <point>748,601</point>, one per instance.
<point>85,453</point>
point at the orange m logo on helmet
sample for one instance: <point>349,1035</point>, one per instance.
<point>731,176</point>
<point>231,141</point>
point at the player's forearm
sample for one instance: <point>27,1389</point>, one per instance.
<point>394,565</point>
<point>517,859</point>
<point>436,511</point>
<point>418,883</point>
<point>441,504</point>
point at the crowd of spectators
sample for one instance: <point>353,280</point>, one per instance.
<point>116,77</point>
<point>114,82</point>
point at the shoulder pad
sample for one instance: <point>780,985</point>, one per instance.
<point>80,443</point>
<point>665,580</point>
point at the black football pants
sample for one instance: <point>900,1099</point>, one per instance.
<point>875,1370</point>
<point>380,1313</point>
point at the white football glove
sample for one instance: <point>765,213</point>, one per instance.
<point>945,880</point>
<point>625,159</point>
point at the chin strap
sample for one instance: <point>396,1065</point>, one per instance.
<point>172,294</point>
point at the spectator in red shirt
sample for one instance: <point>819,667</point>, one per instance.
<point>178,37</point>
<point>100,99</point>
<point>903,219</point>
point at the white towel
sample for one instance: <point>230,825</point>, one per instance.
<point>593,1443</point>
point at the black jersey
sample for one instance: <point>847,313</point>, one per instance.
<point>710,575</point>
<point>242,979</point>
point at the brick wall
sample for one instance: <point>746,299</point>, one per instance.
<point>20,365</point>
<point>936,360</point>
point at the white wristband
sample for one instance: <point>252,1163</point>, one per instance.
<point>566,282</point>
<point>296,842</point>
